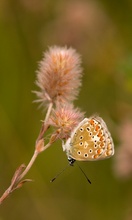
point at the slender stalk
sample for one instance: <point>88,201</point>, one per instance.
<point>48,112</point>
<point>36,152</point>
<point>46,146</point>
<point>31,162</point>
<point>5,195</point>
<point>18,176</point>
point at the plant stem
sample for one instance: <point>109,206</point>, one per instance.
<point>31,162</point>
<point>48,112</point>
<point>36,152</point>
<point>28,167</point>
<point>39,148</point>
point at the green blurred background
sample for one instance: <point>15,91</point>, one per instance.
<point>101,31</point>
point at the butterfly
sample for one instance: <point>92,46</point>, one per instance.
<point>89,141</point>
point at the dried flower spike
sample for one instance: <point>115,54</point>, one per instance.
<point>65,119</point>
<point>123,159</point>
<point>59,75</point>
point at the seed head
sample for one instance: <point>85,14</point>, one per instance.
<point>65,119</point>
<point>59,75</point>
<point>123,159</point>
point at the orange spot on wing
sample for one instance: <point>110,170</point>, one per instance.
<point>96,128</point>
<point>96,156</point>
<point>101,144</point>
<point>99,134</point>
<point>99,151</point>
<point>92,122</point>
<point>101,138</point>
<point>109,147</point>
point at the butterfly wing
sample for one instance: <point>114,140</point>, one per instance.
<point>91,141</point>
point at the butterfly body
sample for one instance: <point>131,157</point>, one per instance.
<point>89,141</point>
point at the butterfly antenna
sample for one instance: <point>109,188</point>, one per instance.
<point>52,180</point>
<point>84,173</point>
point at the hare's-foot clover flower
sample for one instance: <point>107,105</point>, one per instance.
<point>59,75</point>
<point>65,119</point>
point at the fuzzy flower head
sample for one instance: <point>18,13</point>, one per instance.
<point>123,159</point>
<point>65,119</point>
<point>59,75</point>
